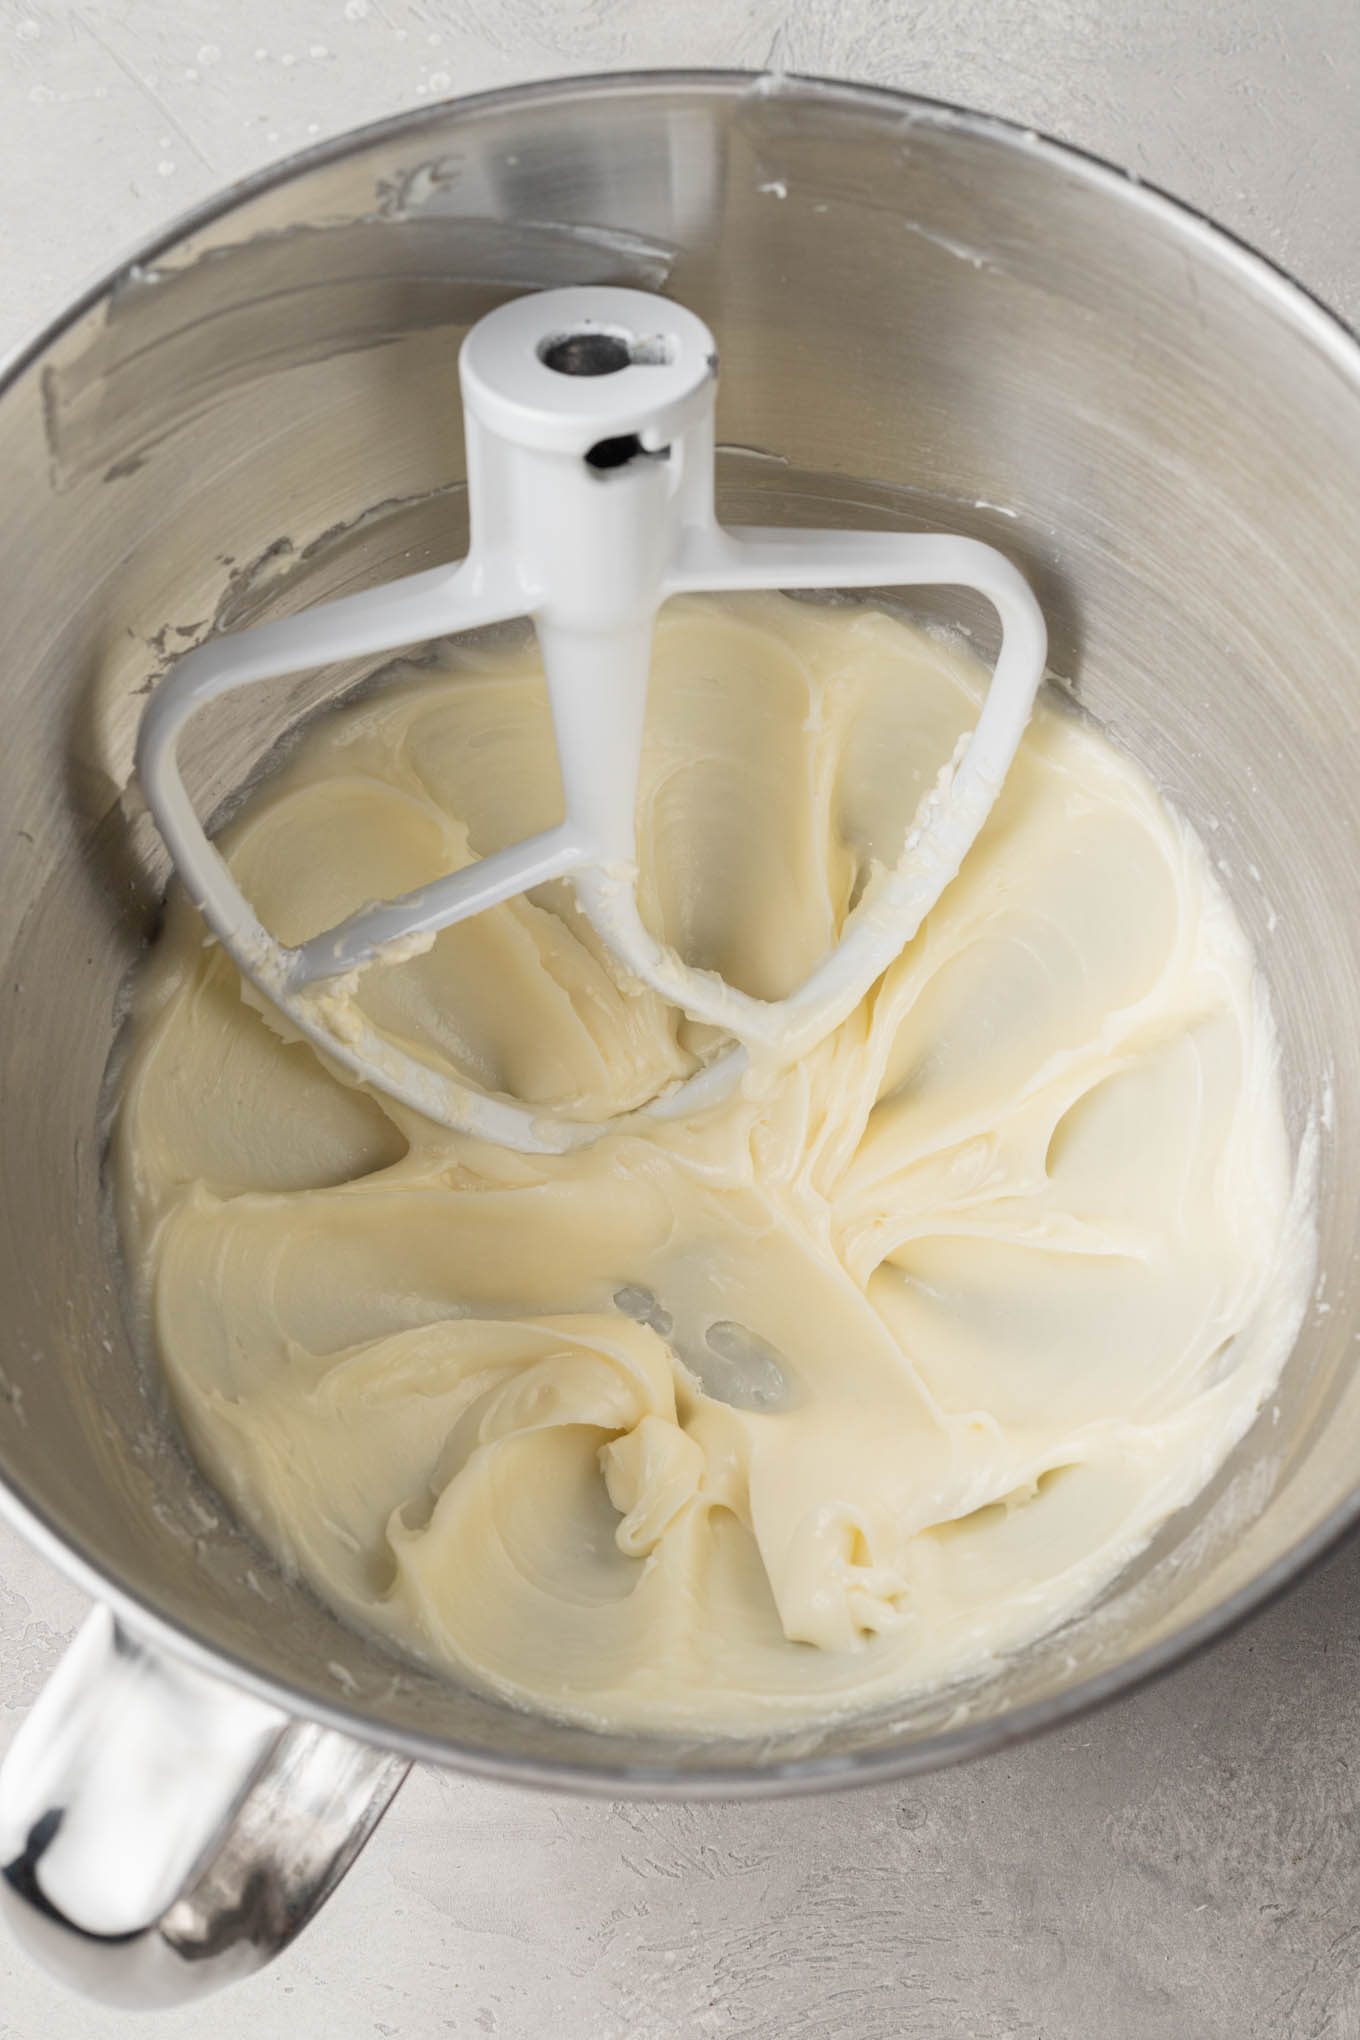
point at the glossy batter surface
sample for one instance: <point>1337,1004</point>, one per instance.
<point>870,1375</point>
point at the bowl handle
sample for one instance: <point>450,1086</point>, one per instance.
<point>163,1833</point>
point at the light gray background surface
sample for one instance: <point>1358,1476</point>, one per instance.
<point>1185,1866</point>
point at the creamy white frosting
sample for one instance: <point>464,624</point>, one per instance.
<point>864,1378</point>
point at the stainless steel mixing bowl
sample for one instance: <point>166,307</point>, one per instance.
<point>925,316</point>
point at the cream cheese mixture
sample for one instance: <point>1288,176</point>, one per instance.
<point>873,1373</point>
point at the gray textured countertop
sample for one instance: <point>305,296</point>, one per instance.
<point>1185,1866</point>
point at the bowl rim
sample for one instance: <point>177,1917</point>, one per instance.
<point>1341,345</point>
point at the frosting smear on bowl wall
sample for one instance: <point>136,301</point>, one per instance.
<point>839,1390</point>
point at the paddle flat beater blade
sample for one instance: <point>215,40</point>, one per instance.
<point>589,426</point>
